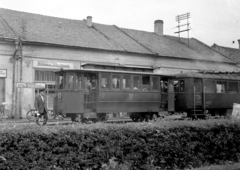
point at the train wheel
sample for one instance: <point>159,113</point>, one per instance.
<point>147,117</point>
<point>102,117</point>
<point>154,117</point>
<point>134,117</point>
<point>141,117</point>
<point>223,112</point>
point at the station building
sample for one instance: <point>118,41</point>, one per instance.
<point>33,46</point>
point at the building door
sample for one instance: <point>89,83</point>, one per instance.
<point>2,90</point>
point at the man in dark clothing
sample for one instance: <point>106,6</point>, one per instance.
<point>41,107</point>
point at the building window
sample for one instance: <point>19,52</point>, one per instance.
<point>41,75</point>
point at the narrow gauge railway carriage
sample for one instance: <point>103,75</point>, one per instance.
<point>206,93</point>
<point>112,92</point>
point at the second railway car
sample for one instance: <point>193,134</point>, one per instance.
<point>206,93</point>
<point>92,94</point>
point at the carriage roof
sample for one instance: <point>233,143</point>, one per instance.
<point>210,75</point>
<point>112,71</point>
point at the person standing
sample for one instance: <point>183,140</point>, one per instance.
<point>88,85</point>
<point>88,88</point>
<point>41,107</point>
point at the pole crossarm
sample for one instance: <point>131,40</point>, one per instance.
<point>179,18</point>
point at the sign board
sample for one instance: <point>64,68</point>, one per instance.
<point>30,85</point>
<point>52,64</point>
<point>3,73</point>
<point>236,111</point>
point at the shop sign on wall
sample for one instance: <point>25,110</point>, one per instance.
<point>30,85</point>
<point>3,73</point>
<point>52,64</point>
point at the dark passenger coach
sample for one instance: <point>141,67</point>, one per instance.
<point>206,93</point>
<point>136,93</point>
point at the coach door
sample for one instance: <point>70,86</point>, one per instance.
<point>90,96</point>
<point>198,96</point>
<point>171,96</point>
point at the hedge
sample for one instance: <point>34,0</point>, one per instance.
<point>163,145</point>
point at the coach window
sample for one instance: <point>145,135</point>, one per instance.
<point>70,81</point>
<point>145,83</point>
<point>94,81</point>
<point>136,82</point>
<point>210,86</point>
<point>155,83</point>
<point>221,86</point>
<point>164,86</point>
<point>78,81</point>
<point>105,81</point>
<point>198,85</point>
<point>126,82</point>
<point>59,81</point>
<point>176,85</point>
<point>232,87</point>
<point>181,86</point>
<point>116,81</point>
<point>62,81</point>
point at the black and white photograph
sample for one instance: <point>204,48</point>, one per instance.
<point>119,85</point>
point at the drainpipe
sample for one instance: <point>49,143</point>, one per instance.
<point>21,90</point>
<point>13,80</point>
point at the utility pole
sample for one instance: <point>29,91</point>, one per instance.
<point>179,18</point>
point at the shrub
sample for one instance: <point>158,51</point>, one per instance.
<point>164,144</point>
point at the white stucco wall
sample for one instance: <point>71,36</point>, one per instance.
<point>6,53</point>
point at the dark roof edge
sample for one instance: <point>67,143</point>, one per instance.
<point>9,39</point>
<point>222,53</point>
<point>77,47</point>
<point>214,50</point>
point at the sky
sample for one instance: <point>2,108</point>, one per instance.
<point>211,21</point>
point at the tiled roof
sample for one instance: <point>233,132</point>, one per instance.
<point>52,30</point>
<point>232,53</point>
<point>5,31</point>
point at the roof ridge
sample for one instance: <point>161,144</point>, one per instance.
<point>106,36</point>
<point>36,14</point>
<point>226,47</point>
<point>136,40</point>
<point>224,54</point>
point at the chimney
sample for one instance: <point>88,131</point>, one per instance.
<point>89,21</point>
<point>158,27</point>
<point>239,44</point>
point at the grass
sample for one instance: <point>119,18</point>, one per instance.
<point>230,166</point>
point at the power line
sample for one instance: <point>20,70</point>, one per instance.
<point>194,32</point>
<point>170,29</point>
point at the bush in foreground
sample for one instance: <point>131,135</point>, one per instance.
<point>164,144</point>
